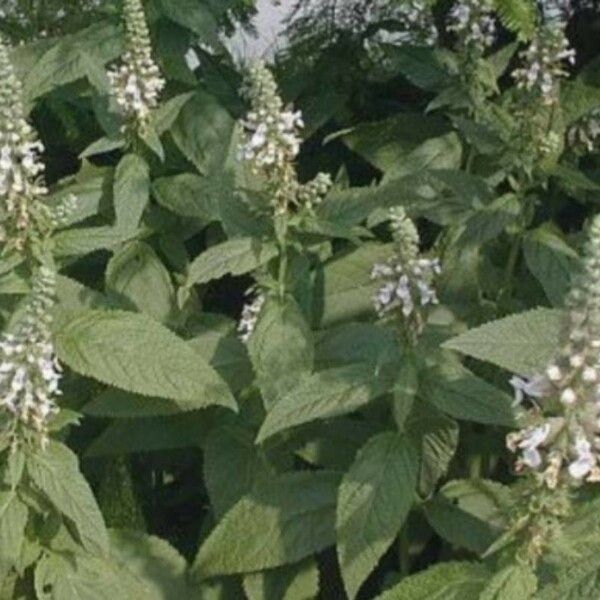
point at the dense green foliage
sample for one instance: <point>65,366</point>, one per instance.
<point>260,329</point>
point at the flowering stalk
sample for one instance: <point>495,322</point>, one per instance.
<point>272,144</point>
<point>137,82</point>
<point>250,314</point>
<point>474,24</point>
<point>558,446</point>
<point>29,371</point>
<point>270,147</point>
<point>543,64</point>
<point>23,214</point>
<point>583,135</point>
<point>413,24</point>
<point>407,278</point>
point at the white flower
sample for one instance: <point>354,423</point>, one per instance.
<point>568,397</point>
<point>585,461</point>
<point>29,372</point>
<point>250,314</point>
<point>474,23</point>
<point>570,388</point>
<point>272,143</point>
<point>273,138</point>
<point>532,440</point>
<point>22,189</point>
<point>136,83</point>
<point>543,64</point>
<point>534,387</point>
<point>584,134</point>
<point>407,278</point>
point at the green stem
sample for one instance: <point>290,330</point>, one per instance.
<point>511,265</point>
<point>283,261</point>
<point>281,228</point>
<point>475,466</point>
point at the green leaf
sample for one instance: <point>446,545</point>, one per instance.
<point>234,257</point>
<point>60,576</point>
<point>73,295</point>
<point>424,67</point>
<point>68,59</point>
<point>326,394</point>
<point>135,353</point>
<point>581,96</point>
<point>334,444</point>
<point>231,449</point>
<point>552,262</point>
<point>131,192</point>
<point>154,562</point>
<point>136,275</point>
<point>189,195</point>
<point>102,146</point>
<point>482,137</point>
<point>55,472</point>
<point>118,404</point>
<point>443,152</point>
<point>470,514</point>
<point>348,289</point>
<point>436,436</point>
<point>520,16</point>
<point>92,188</point>
<point>152,141</point>
<point>13,518</point>
<point>166,114</point>
<point>281,349</point>
<point>514,581</point>
<point>153,434</point>
<point>85,240</point>
<point>355,343</point>
<point>576,577</point>
<point>203,131</point>
<point>287,519</point>
<point>192,15</point>
<point>445,581</point>
<point>227,355</point>
<point>291,582</point>
<point>385,144</point>
<point>489,222</point>
<point>374,499</point>
<point>457,392</point>
<point>522,343</point>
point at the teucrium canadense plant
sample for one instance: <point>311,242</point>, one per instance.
<point>321,328</point>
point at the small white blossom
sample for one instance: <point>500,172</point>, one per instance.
<point>532,440</point>
<point>557,11</point>
<point>563,446</point>
<point>583,135</point>
<point>29,371</point>
<point>413,24</point>
<point>535,387</point>
<point>474,23</point>
<point>272,143</point>
<point>407,279</point>
<point>250,314</point>
<point>273,132</point>
<point>585,459</point>
<point>23,212</point>
<point>543,64</point>
<point>136,83</point>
